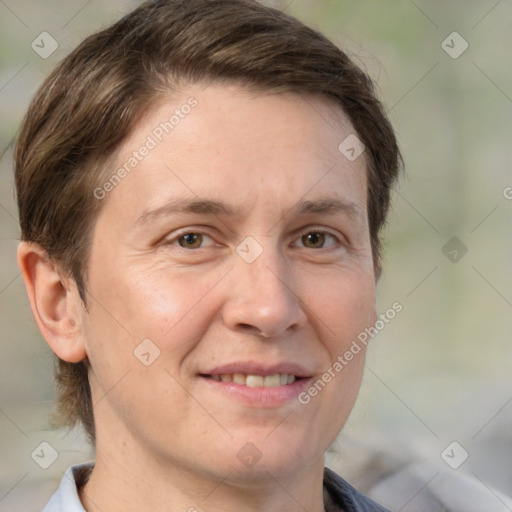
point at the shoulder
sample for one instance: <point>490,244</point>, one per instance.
<point>428,487</point>
<point>339,495</point>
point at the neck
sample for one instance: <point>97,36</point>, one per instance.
<point>124,479</point>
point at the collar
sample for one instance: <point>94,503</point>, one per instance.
<point>339,496</point>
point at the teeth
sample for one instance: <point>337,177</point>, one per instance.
<point>239,378</point>
<point>256,381</point>
<point>272,381</point>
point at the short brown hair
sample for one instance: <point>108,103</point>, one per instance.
<point>94,98</point>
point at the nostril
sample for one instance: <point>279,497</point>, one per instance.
<point>251,329</point>
<point>248,327</point>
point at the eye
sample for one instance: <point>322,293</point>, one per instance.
<point>317,240</point>
<point>192,240</point>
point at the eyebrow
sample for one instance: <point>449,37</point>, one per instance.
<point>200,206</point>
<point>329,205</point>
<point>197,206</point>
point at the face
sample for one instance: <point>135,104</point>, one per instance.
<point>230,269</point>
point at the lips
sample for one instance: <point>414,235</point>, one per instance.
<point>257,385</point>
<point>256,381</point>
<point>256,375</point>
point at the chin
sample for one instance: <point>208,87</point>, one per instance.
<point>267,455</point>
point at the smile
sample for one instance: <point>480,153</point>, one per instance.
<point>256,381</point>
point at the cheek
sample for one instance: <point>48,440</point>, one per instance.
<point>350,312</point>
<point>160,304</point>
<point>344,306</point>
<point>174,304</point>
<point>129,307</point>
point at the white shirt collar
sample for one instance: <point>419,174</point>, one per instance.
<point>66,497</point>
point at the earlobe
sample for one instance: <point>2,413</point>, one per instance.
<point>55,302</point>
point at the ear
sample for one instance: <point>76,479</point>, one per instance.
<point>55,302</point>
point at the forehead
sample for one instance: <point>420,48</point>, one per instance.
<point>240,147</point>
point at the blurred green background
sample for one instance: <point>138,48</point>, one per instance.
<point>441,370</point>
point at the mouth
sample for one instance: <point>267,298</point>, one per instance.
<point>258,384</point>
<point>255,381</point>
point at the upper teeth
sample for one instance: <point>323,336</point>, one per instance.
<point>256,381</point>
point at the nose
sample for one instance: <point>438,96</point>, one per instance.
<point>262,300</point>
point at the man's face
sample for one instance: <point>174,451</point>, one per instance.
<point>238,248</point>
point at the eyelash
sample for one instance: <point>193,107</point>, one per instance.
<point>176,238</point>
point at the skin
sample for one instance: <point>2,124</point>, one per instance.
<point>167,439</point>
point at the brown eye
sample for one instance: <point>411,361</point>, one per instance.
<point>317,240</point>
<point>313,240</point>
<point>190,240</point>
